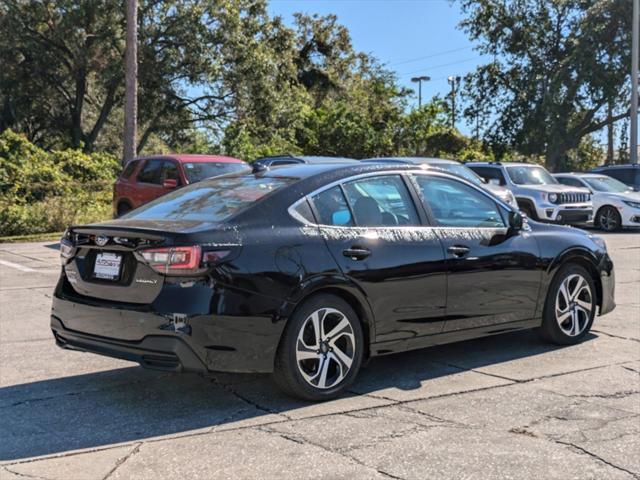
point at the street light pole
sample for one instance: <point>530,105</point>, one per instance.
<point>635,40</point>
<point>454,82</point>
<point>419,80</point>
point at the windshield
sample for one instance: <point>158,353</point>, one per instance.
<point>196,171</point>
<point>530,176</point>
<point>606,184</point>
<point>212,200</point>
<point>460,170</point>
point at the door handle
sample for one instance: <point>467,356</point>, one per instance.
<point>458,250</point>
<point>356,253</point>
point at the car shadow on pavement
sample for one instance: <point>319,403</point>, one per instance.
<point>133,404</point>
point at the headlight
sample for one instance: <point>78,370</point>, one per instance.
<point>632,204</point>
<point>553,198</point>
<point>599,241</point>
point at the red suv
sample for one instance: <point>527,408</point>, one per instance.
<point>144,179</point>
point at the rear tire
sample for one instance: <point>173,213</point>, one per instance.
<point>321,350</point>
<point>608,219</point>
<point>570,306</point>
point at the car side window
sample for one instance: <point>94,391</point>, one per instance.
<point>570,181</point>
<point>381,201</point>
<point>151,172</point>
<point>455,204</point>
<point>490,173</point>
<point>332,207</point>
<point>276,163</point>
<point>128,170</point>
<point>170,171</point>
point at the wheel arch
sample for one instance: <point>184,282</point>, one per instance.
<point>577,256</point>
<point>524,201</point>
<point>347,292</point>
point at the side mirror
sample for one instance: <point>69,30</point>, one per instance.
<point>493,181</point>
<point>170,183</point>
<point>515,221</point>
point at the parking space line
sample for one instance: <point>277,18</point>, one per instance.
<point>17,266</point>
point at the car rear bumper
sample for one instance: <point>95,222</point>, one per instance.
<point>157,352</point>
<point>215,330</point>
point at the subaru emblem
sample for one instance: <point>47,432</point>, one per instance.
<point>102,240</point>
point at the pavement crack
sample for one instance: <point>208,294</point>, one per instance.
<point>597,457</point>
<point>631,369</point>
<point>342,453</point>
<point>247,400</point>
<point>616,336</point>
<point>22,474</point>
<point>121,461</point>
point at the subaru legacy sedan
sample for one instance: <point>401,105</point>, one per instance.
<point>307,271</point>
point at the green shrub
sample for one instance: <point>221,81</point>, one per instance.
<point>44,191</point>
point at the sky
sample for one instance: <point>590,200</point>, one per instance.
<point>411,37</point>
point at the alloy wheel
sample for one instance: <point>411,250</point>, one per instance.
<point>325,348</point>
<point>574,303</point>
<point>608,219</point>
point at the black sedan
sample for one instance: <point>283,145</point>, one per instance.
<point>308,270</point>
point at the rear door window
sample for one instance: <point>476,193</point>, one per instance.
<point>151,172</point>
<point>381,201</point>
<point>212,200</point>
<point>332,207</point>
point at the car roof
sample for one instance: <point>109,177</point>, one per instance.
<point>189,157</point>
<point>607,167</point>
<point>313,159</point>
<point>413,160</point>
<point>502,164</point>
<point>579,174</point>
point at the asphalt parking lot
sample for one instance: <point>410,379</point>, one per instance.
<point>502,407</point>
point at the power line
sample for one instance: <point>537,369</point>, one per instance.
<point>437,54</point>
<point>434,67</point>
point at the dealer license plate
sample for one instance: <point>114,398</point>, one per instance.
<point>107,266</point>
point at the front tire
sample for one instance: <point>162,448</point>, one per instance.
<point>608,219</point>
<point>321,350</point>
<point>570,306</point>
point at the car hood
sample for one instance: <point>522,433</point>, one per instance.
<point>559,188</point>
<point>632,196</point>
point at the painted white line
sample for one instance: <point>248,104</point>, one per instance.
<point>17,266</point>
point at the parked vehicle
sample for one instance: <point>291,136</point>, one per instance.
<point>278,160</point>
<point>308,270</point>
<point>457,168</point>
<point>628,174</point>
<point>147,178</point>
<point>615,204</point>
<point>539,195</point>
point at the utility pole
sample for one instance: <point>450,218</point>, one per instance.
<point>609,160</point>
<point>131,82</point>
<point>455,83</point>
<point>419,80</point>
<point>635,40</point>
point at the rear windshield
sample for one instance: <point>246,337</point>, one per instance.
<point>196,171</point>
<point>213,200</point>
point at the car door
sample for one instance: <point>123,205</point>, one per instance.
<point>375,233</point>
<point>149,181</point>
<point>493,274</point>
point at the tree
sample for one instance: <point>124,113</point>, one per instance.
<point>557,65</point>
<point>62,76</point>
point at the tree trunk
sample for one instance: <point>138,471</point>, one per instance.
<point>131,82</point>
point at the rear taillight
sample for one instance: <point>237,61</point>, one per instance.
<point>67,248</point>
<point>174,260</point>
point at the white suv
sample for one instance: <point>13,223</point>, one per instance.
<point>539,195</point>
